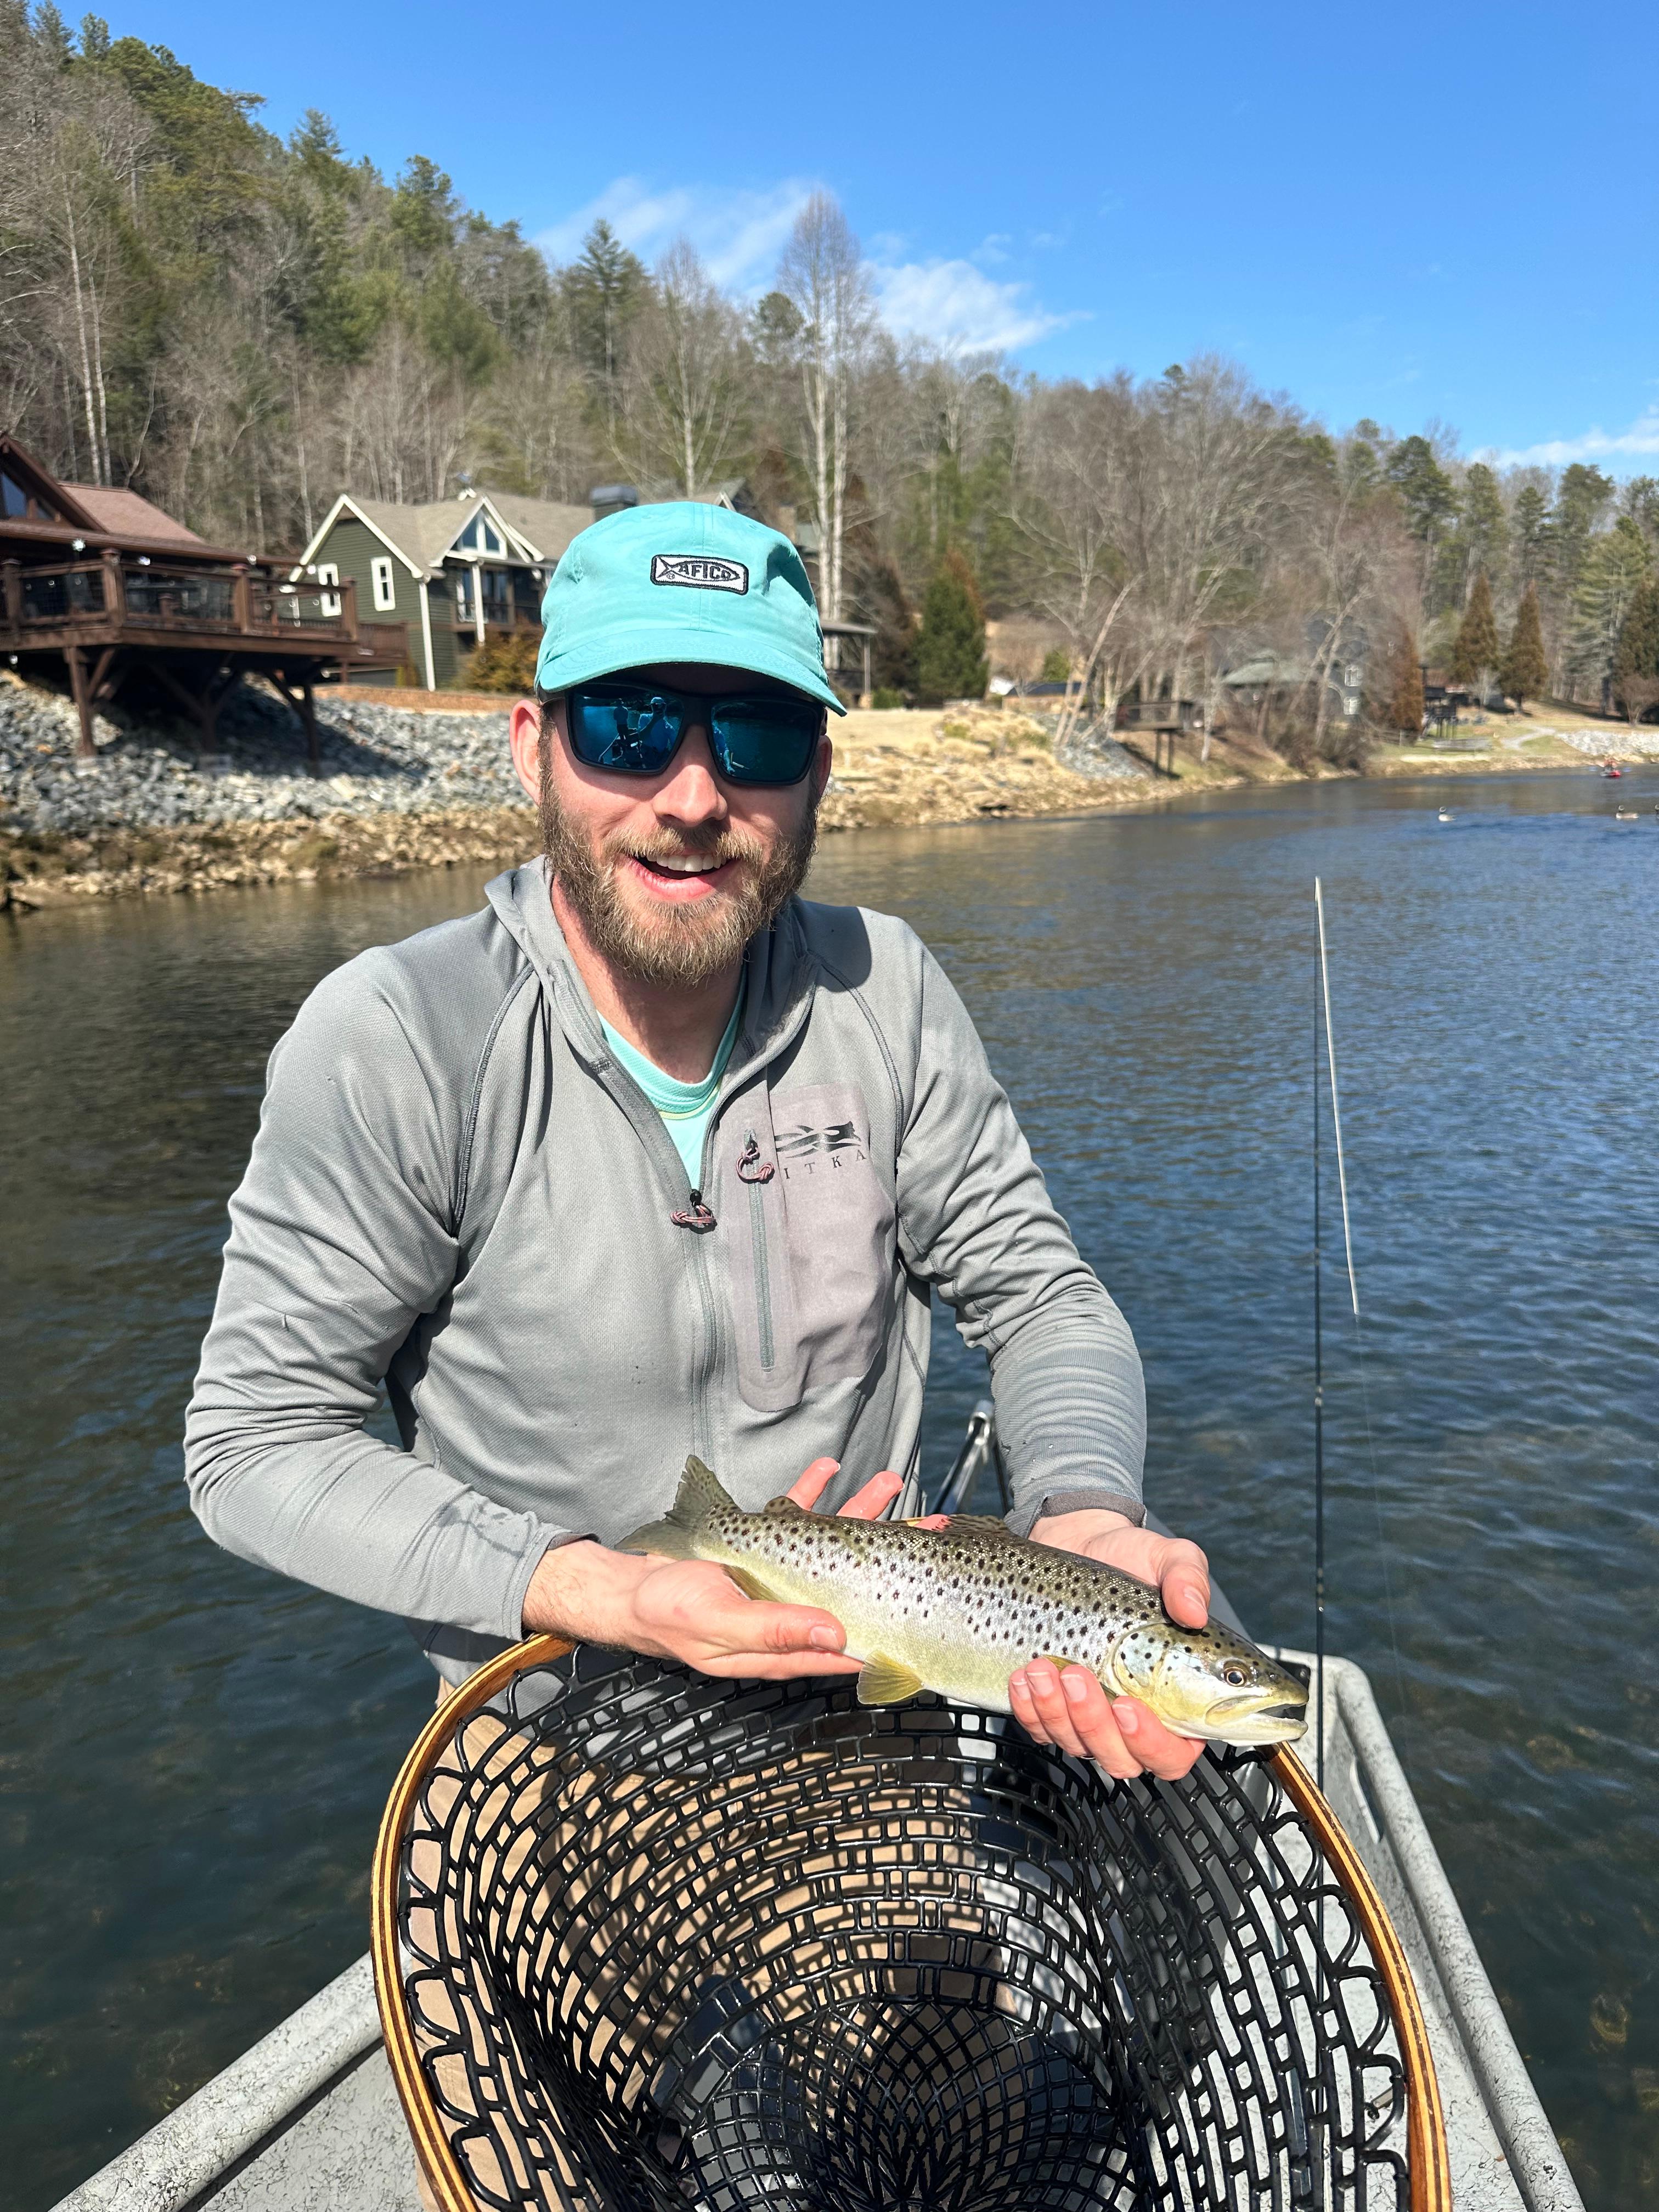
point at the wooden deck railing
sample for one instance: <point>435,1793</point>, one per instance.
<point>99,601</point>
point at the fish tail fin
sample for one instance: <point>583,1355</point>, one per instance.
<point>674,1536</point>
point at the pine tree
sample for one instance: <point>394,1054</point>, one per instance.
<point>1474,656</point>
<point>1636,659</point>
<point>1405,707</point>
<point>1485,525</point>
<point>1530,532</point>
<point>950,662</point>
<point>1526,666</point>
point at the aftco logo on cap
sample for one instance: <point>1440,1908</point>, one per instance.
<point>699,571</point>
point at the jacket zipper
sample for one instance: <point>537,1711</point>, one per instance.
<point>763,1271</point>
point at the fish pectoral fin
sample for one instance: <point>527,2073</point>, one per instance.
<point>883,1681</point>
<point>1059,1664</point>
<point>750,1585</point>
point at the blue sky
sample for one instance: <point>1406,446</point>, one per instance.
<point>1417,213</point>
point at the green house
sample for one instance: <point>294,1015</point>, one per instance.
<point>452,571</point>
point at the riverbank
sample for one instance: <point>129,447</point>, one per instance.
<point>425,781</point>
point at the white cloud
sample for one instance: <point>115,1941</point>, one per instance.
<point>959,307</point>
<point>1638,441</point>
<point>740,234</point>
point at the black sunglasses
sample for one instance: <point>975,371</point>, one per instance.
<point>636,729</point>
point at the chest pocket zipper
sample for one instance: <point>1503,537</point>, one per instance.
<point>756,1182</point>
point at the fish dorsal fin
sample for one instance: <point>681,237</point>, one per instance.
<point>675,1536</point>
<point>883,1681</point>
<point>700,1493</point>
<point>782,1509</point>
<point>981,1528</point>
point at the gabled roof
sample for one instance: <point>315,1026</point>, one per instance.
<point>420,535</point>
<point>544,526</point>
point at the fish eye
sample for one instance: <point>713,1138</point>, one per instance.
<point>1234,1676</point>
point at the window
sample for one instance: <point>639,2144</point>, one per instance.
<point>385,593</point>
<point>480,537</point>
<point>12,501</point>
<point>328,573</point>
<point>462,596</point>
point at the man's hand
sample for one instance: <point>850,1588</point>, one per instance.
<point>691,1610</point>
<point>1068,1707</point>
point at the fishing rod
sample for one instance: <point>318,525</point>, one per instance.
<point>1322,1015</point>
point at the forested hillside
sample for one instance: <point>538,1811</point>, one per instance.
<point>241,326</point>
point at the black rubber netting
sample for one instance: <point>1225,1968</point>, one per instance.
<point>671,1941</point>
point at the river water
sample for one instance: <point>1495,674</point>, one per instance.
<point>195,1753</point>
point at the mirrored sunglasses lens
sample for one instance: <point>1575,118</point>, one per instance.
<point>764,741</point>
<point>631,733</point>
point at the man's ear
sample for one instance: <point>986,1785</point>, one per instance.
<point>524,735</point>
<point>822,766</point>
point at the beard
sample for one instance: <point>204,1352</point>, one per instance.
<point>677,947</point>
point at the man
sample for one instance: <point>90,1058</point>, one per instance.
<point>651,1157</point>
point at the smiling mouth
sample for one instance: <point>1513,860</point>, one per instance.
<point>680,868</point>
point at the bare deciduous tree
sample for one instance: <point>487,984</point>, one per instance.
<point>686,385</point>
<point>822,274</point>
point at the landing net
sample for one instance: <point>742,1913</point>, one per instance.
<point>645,1940</point>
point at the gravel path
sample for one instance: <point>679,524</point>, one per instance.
<point>375,760</point>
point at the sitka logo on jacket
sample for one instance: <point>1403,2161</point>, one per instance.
<point>808,1143</point>
<point>699,571</point>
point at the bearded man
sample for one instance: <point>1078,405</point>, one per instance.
<point>651,1156</point>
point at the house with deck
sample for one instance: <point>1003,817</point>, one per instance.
<point>450,573</point>
<point>98,582</point>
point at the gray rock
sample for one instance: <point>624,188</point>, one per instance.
<point>375,759</point>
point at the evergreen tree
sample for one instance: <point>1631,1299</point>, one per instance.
<point>1427,494</point>
<point>1615,566</point>
<point>1530,527</point>
<point>1405,706</point>
<point>1526,666</point>
<point>604,288</point>
<point>1485,525</point>
<point>1474,656</point>
<point>950,662</point>
<point>1636,657</point>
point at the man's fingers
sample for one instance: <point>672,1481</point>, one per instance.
<point>767,1627</point>
<point>1068,1708</point>
<point>876,1495</point>
<point>813,1482</point>
<point>1157,1748</point>
<point>1183,1582</point>
<point>775,1666</point>
<point>866,1504</point>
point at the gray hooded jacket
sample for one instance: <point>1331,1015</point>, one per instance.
<point>456,1191</point>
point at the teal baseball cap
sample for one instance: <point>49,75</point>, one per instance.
<point>681,581</point>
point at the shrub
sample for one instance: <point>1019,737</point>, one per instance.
<point>884,698</point>
<point>503,664</point>
<point>1056,665</point>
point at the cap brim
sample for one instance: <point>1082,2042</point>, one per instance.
<point>613,650</point>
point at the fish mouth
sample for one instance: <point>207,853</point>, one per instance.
<point>1242,1723</point>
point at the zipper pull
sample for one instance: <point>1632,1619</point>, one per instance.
<point>699,1216</point>
<point>750,1167</point>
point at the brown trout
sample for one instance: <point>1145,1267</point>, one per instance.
<point>957,1610</point>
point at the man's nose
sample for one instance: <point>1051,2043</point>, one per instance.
<point>691,792</point>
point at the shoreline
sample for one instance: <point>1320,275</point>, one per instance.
<point>902,768</point>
